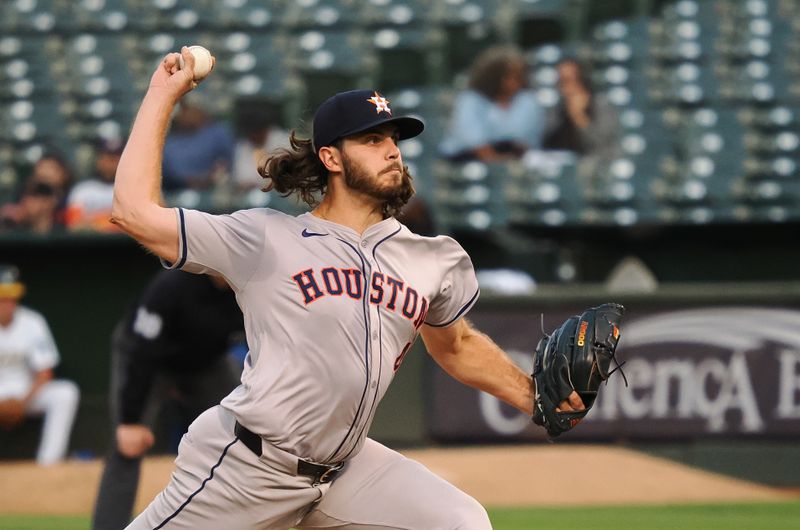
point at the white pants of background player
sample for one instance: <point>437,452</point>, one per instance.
<point>57,401</point>
<point>220,483</point>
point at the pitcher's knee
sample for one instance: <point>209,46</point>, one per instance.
<point>468,514</point>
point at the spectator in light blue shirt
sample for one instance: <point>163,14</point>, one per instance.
<point>497,117</point>
<point>198,150</point>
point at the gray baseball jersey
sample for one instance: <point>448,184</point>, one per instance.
<point>329,315</point>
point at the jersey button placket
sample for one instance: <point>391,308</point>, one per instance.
<point>376,347</point>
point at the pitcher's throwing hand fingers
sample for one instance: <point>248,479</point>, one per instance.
<point>571,404</point>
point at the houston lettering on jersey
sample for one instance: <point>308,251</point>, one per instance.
<point>384,290</point>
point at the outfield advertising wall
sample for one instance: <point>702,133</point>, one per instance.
<point>695,370</point>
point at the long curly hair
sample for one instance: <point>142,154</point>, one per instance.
<point>489,70</point>
<point>296,169</point>
<point>299,170</point>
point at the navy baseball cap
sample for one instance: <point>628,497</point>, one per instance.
<point>356,111</point>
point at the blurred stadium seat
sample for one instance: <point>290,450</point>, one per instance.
<point>332,60</point>
<point>707,91</point>
<point>321,14</point>
<point>248,15</point>
<point>408,55</point>
<point>472,196</point>
<point>431,104</point>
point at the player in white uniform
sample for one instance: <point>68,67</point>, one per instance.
<point>332,301</point>
<point>28,355</point>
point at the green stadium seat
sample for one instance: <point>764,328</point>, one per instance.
<point>634,30</point>
<point>256,65</point>
<point>472,196</point>
<point>108,15</point>
<point>33,16</point>
<point>617,52</point>
<point>687,84</point>
<point>248,15</point>
<point>764,192</point>
<point>545,192</point>
<point>397,13</point>
<point>707,92</point>
<point>101,90</point>
<point>778,167</point>
<point>431,104</point>
<point>173,15</point>
<point>25,66</point>
<point>322,14</point>
<point>332,61</point>
<point>534,22</point>
<point>9,176</point>
<point>408,56</point>
<point>97,69</point>
<point>470,27</point>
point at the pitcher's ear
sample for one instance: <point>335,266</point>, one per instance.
<point>331,158</point>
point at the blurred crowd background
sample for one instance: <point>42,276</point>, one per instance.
<point>694,105</point>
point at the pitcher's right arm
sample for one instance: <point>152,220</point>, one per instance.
<point>137,208</point>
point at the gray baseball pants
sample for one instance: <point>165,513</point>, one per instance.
<point>220,483</point>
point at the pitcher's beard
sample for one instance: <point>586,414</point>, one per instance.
<point>359,180</point>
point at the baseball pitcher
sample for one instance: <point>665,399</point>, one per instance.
<point>332,301</point>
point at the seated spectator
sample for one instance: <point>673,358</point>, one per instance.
<point>89,202</point>
<point>41,204</point>
<point>497,117</point>
<point>583,122</point>
<point>198,151</point>
<point>52,169</point>
<point>257,135</point>
<point>28,355</point>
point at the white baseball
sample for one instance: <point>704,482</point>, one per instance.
<point>202,62</point>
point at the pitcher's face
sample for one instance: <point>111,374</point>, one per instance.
<point>373,164</point>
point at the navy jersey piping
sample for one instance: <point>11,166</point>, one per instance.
<point>198,490</point>
<point>463,310</point>
<point>365,308</point>
<point>375,248</point>
<point>380,345</point>
<point>185,251</point>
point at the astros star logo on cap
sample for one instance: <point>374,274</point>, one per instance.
<point>380,102</point>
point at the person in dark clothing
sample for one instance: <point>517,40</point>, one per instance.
<point>173,343</point>
<point>583,122</point>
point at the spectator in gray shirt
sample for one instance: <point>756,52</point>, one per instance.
<point>583,122</point>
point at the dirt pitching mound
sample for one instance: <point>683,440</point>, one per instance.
<point>583,475</point>
<point>496,476</point>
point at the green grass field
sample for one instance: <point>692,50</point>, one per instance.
<point>750,516</point>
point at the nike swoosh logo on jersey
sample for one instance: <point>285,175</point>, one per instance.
<point>306,233</point>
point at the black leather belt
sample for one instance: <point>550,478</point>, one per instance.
<point>250,439</point>
<point>321,473</point>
